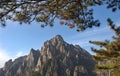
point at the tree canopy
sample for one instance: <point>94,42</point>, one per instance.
<point>73,13</point>
<point>108,56</point>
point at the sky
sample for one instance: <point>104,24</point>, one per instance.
<point>17,40</point>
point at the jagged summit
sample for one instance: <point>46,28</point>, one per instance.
<point>54,41</point>
<point>33,51</point>
<point>59,38</point>
<point>55,58</point>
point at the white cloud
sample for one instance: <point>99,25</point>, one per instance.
<point>101,33</point>
<point>3,57</point>
<point>95,34</point>
<point>20,53</point>
<point>92,33</point>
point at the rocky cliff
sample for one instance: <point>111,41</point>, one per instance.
<point>55,58</point>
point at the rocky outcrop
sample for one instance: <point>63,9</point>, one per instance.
<point>1,72</point>
<point>56,58</point>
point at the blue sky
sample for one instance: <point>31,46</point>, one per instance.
<point>17,40</point>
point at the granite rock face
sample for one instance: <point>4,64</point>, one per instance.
<point>56,58</point>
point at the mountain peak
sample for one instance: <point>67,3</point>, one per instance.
<point>56,58</point>
<point>54,41</point>
<point>34,52</point>
<point>58,37</point>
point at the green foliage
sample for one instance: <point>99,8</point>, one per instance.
<point>108,56</point>
<point>105,66</point>
<point>117,72</point>
<point>73,13</point>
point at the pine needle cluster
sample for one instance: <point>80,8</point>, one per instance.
<point>108,56</point>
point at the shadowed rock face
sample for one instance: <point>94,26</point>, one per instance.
<point>56,58</point>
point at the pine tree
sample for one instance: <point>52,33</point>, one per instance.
<point>73,13</point>
<point>108,56</point>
